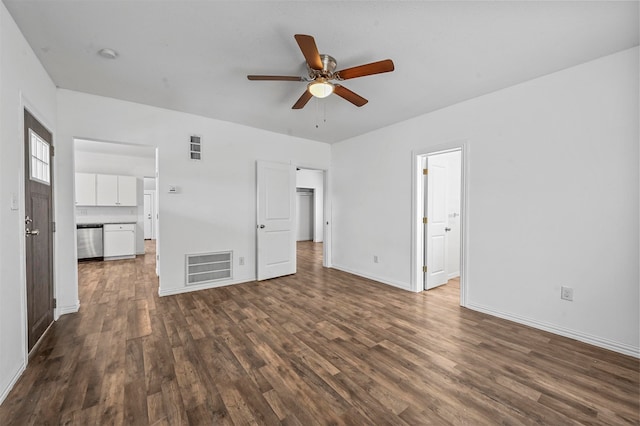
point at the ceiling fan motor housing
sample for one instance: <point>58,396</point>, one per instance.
<point>329,65</point>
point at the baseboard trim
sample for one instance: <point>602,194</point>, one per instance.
<point>205,286</point>
<point>611,345</point>
<point>12,382</point>
<point>403,286</point>
<point>69,309</point>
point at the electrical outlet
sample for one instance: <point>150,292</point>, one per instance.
<point>241,260</point>
<point>375,259</point>
<point>566,293</point>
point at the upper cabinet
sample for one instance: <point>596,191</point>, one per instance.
<point>116,190</point>
<point>85,189</point>
<point>105,190</point>
<point>127,191</point>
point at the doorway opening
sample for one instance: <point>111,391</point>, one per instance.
<point>439,203</point>
<point>310,217</point>
<point>276,213</point>
<point>115,185</point>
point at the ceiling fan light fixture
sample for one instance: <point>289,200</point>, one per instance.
<point>320,88</point>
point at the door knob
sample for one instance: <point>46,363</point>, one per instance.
<point>31,233</point>
<point>447,229</point>
<point>261,226</point>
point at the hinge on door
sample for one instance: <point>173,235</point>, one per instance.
<point>424,269</point>
<point>425,220</point>
<point>52,150</point>
<point>425,171</point>
<point>55,302</point>
<point>53,226</point>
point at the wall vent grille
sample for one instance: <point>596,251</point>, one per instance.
<point>195,152</point>
<point>207,267</point>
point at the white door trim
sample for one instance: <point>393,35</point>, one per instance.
<point>417,203</point>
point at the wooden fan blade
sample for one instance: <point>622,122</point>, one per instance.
<point>309,50</point>
<point>275,78</point>
<point>368,69</point>
<point>300,103</point>
<point>347,94</point>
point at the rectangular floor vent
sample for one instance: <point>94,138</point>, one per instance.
<point>207,267</point>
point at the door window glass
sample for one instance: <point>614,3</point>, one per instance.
<point>40,167</point>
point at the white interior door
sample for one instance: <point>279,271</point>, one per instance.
<point>276,217</point>
<point>148,221</point>
<point>436,208</point>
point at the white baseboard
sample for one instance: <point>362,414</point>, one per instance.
<point>69,309</point>
<point>205,286</point>
<point>401,285</point>
<point>453,275</point>
<point>622,348</point>
<point>5,391</point>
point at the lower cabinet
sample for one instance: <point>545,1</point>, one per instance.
<point>119,241</point>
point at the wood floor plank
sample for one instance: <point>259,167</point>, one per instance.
<point>317,347</point>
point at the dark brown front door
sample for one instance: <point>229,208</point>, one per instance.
<point>38,227</point>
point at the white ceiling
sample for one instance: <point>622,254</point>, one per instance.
<point>193,56</point>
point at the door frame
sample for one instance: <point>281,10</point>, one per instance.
<point>26,104</point>
<point>417,205</point>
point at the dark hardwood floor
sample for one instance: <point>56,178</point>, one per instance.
<point>318,347</point>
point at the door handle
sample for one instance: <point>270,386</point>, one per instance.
<point>31,233</point>
<point>261,226</point>
<point>447,229</point>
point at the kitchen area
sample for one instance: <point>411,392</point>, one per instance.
<point>114,197</point>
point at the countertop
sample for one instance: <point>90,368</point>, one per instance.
<point>85,225</point>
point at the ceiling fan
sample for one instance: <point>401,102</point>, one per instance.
<point>322,70</point>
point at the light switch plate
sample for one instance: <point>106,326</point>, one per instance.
<point>14,201</point>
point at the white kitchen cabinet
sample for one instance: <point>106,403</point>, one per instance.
<point>127,191</point>
<point>115,190</point>
<point>119,241</point>
<point>85,189</point>
<point>107,190</point>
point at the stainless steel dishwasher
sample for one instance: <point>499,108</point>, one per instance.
<point>90,244</point>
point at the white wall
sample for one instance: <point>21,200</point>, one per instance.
<point>314,179</point>
<point>215,206</point>
<point>553,200</point>
<point>23,82</point>
<point>112,164</point>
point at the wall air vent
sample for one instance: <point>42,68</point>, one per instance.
<point>206,267</point>
<point>195,146</point>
